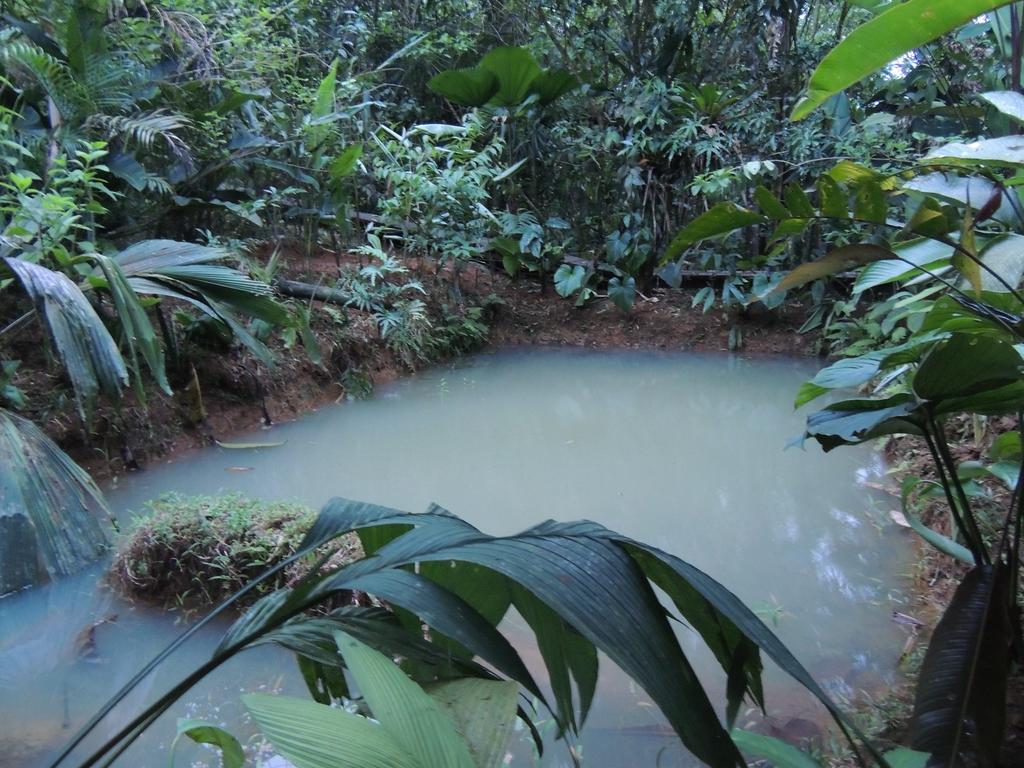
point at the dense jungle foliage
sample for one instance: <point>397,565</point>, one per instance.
<point>174,172</point>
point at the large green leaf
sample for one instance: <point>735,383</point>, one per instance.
<point>908,259</point>
<point>883,39</point>
<point>83,343</point>
<point>1004,151</point>
<point>553,84</point>
<point>1005,258</point>
<point>854,421</point>
<point>834,261</point>
<point>403,708</point>
<point>468,87</point>
<point>1009,103</point>
<point>323,108</point>
<point>959,707</point>
<point>51,513</point>
<point>972,190</point>
<point>484,713</point>
<point>311,735</point>
<point>722,219</point>
<point>966,364</point>
<point>516,69</point>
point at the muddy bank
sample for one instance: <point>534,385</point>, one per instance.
<point>221,392</point>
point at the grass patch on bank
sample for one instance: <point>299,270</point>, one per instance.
<point>192,551</point>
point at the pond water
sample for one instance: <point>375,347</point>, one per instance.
<point>682,451</point>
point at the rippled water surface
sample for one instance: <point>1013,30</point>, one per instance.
<point>682,451</point>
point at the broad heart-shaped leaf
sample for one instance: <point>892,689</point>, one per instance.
<point>516,69</point>
<point>468,87</point>
<point>1004,151</point>
<point>484,713</point>
<point>966,364</point>
<point>891,34</point>
<point>961,691</point>
<point>311,735</point>
<point>403,708</point>
<point>201,732</point>
<point>569,279</point>
<point>854,421</point>
<point>831,263</point>
<point>83,343</point>
<point>722,219</point>
<point>622,292</point>
<point>1009,103</point>
<point>553,84</point>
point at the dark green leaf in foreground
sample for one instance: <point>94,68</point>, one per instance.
<point>967,364</point>
<point>961,694</point>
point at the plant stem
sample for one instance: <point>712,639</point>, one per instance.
<point>947,488</point>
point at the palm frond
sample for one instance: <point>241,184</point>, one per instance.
<point>592,588</point>
<point>82,342</point>
<point>51,74</point>
<point>144,128</point>
<point>50,510</point>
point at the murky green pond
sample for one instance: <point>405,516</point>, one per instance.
<point>682,451</point>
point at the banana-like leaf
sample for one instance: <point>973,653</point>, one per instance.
<point>722,219</point>
<point>834,261</point>
<point>82,342</point>
<point>51,512</point>
<point>1006,151</point>
<point>961,692</point>
<point>891,34</point>
<point>908,259</point>
<point>484,713</point>
<point>404,709</point>
<point>311,735</point>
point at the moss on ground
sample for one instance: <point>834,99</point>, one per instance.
<point>192,551</point>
